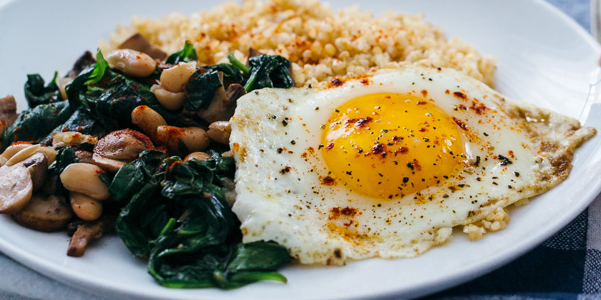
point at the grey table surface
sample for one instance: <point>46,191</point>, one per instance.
<point>18,282</point>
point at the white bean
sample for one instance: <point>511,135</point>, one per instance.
<point>22,155</point>
<point>175,78</point>
<point>220,132</point>
<point>62,84</point>
<point>83,178</point>
<point>194,138</point>
<point>169,100</point>
<point>84,207</point>
<point>131,62</point>
<point>13,149</point>
<point>49,152</point>
<point>148,120</point>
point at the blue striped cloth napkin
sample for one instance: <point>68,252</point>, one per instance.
<point>568,265</point>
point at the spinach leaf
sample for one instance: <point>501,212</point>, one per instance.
<point>79,121</point>
<point>201,88</point>
<point>190,252</point>
<point>186,179</point>
<point>141,220</point>
<point>36,123</point>
<point>36,93</point>
<point>229,71</point>
<point>112,99</point>
<point>64,157</point>
<point>131,177</point>
<point>254,262</point>
<point>239,65</point>
<point>268,71</point>
<point>187,54</point>
<point>179,218</point>
<point>99,69</point>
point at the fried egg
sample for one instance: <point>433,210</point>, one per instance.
<point>386,164</point>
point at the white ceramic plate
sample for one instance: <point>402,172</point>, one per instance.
<point>543,57</point>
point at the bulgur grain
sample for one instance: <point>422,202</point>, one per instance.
<point>320,43</point>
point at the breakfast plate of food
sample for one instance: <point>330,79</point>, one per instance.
<point>270,149</point>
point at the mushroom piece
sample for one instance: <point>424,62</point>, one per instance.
<point>8,113</point>
<point>85,234</point>
<point>15,188</point>
<point>139,43</point>
<point>123,144</point>
<point>252,53</point>
<point>223,104</point>
<point>8,110</point>
<point>49,186</point>
<point>197,156</point>
<point>229,191</point>
<point>46,214</point>
<point>37,164</point>
<point>107,164</point>
<point>84,156</point>
<point>84,61</point>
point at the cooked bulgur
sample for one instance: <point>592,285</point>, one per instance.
<point>319,41</point>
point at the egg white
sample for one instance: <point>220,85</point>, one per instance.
<point>276,135</point>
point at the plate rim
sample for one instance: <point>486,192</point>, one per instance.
<point>48,268</point>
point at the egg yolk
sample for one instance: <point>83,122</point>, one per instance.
<point>389,145</point>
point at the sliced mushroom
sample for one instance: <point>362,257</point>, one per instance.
<point>197,156</point>
<point>84,156</point>
<point>46,214</point>
<point>139,43</point>
<point>85,234</point>
<point>49,186</point>
<point>229,190</point>
<point>107,164</point>
<point>8,112</point>
<point>15,188</point>
<point>84,61</point>
<point>223,104</point>
<point>252,53</point>
<point>37,164</point>
<point>123,144</point>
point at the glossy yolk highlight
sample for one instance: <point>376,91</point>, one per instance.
<point>390,145</point>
